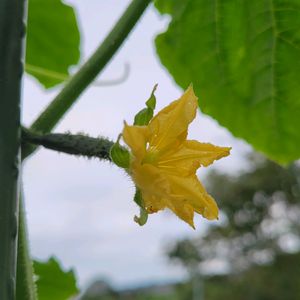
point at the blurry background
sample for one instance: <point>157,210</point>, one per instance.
<point>82,211</point>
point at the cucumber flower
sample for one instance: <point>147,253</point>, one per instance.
<point>163,163</point>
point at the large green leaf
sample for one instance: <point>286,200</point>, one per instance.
<point>52,282</point>
<point>244,60</point>
<point>53,41</point>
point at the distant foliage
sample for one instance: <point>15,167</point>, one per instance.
<point>277,281</point>
<point>262,218</point>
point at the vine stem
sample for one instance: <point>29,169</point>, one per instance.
<point>88,72</point>
<point>56,110</point>
<point>12,30</point>
<point>74,144</point>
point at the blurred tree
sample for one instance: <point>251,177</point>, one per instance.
<point>100,289</point>
<point>261,213</point>
<point>276,281</point>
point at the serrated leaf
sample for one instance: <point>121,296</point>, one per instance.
<point>53,41</point>
<point>54,283</point>
<point>243,58</point>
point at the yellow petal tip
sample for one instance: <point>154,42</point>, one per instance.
<point>190,91</point>
<point>190,222</point>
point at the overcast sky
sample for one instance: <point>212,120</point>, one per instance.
<point>81,210</point>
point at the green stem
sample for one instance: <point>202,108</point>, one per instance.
<point>26,289</point>
<point>11,69</point>
<point>75,144</point>
<point>88,72</point>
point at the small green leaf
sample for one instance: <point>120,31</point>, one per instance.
<point>53,41</point>
<point>54,283</point>
<point>119,155</point>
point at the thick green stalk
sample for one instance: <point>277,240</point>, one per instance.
<point>12,30</point>
<point>26,288</point>
<point>88,72</point>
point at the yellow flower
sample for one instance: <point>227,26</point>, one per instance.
<point>163,162</point>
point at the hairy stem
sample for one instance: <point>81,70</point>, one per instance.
<point>88,72</point>
<point>12,30</point>
<point>75,144</point>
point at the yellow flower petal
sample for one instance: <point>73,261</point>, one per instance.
<point>136,138</point>
<point>192,192</point>
<point>190,156</point>
<point>153,203</point>
<point>149,179</point>
<point>184,211</point>
<point>170,125</point>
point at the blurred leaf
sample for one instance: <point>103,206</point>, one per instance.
<point>53,41</point>
<point>53,282</point>
<point>243,58</point>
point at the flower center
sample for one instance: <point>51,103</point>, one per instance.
<point>151,157</point>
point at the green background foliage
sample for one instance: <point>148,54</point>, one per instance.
<point>244,60</point>
<point>54,283</point>
<point>268,282</point>
<point>53,41</point>
<point>271,282</point>
<point>261,208</point>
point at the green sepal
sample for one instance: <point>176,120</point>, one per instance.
<point>120,155</point>
<point>151,102</point>
<point>144,116</point>
<point>142,219</point>
<point>138,199</point>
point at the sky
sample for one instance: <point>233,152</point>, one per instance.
<point>81,211</point>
